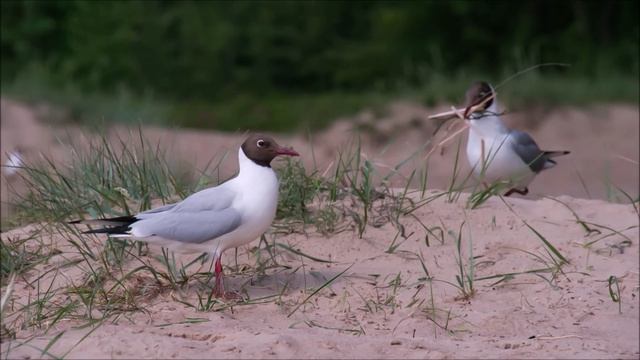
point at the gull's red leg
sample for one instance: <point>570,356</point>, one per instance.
<point>219,289</point>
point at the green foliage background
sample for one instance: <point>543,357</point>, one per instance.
<point>244,55</point>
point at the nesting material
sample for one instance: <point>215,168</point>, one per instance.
<point>453,114</point>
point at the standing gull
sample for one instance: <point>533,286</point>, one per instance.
<point>497,153</point>
<point>213,220</point>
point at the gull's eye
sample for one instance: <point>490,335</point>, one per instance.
<point>261,143</point>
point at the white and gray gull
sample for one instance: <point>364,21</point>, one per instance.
<point>497,153</point>
<point>213,220</point>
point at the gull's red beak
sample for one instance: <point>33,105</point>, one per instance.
<point>286,151</point>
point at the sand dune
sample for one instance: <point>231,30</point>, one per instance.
<point>604,141</point>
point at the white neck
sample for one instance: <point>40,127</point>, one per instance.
<point>249,171</point>
<point>244,162</point>
<point>255,197</point>
<point>488,122</point>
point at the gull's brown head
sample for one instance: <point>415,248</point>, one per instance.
<point>261,149</point>
<point>476,94</point>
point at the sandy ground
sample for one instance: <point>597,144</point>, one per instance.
<point>382,306</point>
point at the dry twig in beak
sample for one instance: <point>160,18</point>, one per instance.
<point>454,112</point>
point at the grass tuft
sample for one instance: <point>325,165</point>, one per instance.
<point>104,179</point>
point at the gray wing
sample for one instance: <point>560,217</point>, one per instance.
<point>524,145</point>
<point>149,213</point>
<point>202,216</point>
<point>215,198</point>
<point>188,226</point>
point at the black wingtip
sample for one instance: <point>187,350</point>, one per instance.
<point>127,219</point>
<point>116,230</point>
<point>557,153</point>
<point>113,226</point>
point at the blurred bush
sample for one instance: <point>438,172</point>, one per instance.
<point>213,48</point>
<point>208,51</point>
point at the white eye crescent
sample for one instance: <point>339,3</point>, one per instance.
<point>260,143</point>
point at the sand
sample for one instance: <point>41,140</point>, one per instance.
<point>360,315</point>
<point>382,304</point>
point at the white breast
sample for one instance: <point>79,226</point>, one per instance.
<point>257,200</point>
<point>491,155</point>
